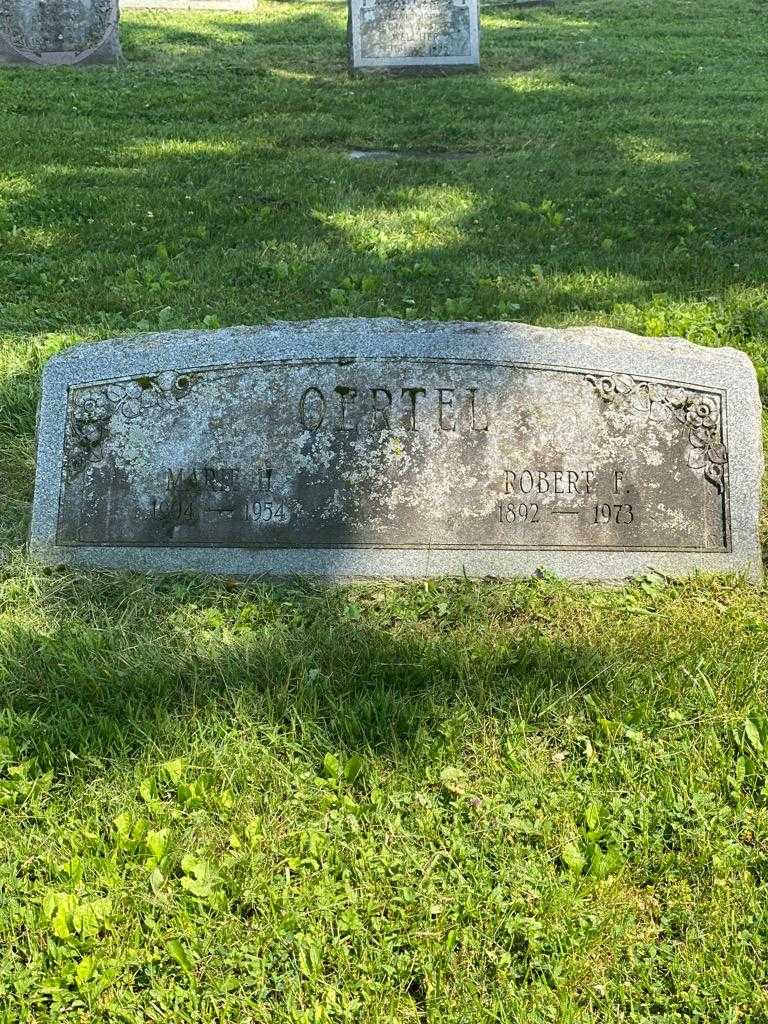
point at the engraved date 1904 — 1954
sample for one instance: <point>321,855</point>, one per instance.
<point>245,510</point>
<point>207,493</point>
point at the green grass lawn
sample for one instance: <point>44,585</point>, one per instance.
<point>445,802</point>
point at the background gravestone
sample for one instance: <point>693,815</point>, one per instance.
<point>417,36</point>
<point>56,32</point>
<point>381,448</point>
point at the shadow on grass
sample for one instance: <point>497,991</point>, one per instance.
<point>338,669</point>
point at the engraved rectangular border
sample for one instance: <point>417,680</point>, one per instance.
<point>288,363</point>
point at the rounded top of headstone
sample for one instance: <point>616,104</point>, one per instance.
<point>361,336</point>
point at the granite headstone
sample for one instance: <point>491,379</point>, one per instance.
<point>56,32</point>
<point>380,448</point>
<point>416,36</point>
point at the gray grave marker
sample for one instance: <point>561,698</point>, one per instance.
<point>381,448</point>
<point>55,32</point>
<point>417,36</point>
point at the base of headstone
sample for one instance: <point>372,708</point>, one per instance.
<point>415,71</point>
<point>110,52</point>
<point>381,448</point>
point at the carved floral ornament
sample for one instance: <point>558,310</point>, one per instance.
<point>698,413</point>
<point>92,411</point>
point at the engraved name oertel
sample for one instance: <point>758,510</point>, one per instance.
<point>395,453</point>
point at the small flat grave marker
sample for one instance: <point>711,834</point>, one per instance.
<point>381,448</point>
<point>366,155</point>
<point>417,36</point>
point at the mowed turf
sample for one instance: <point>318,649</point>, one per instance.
<point>443,801</point>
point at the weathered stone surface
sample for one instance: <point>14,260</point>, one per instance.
<point>381,448</point>
<point>51,32</point>
<point>413,35</point>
